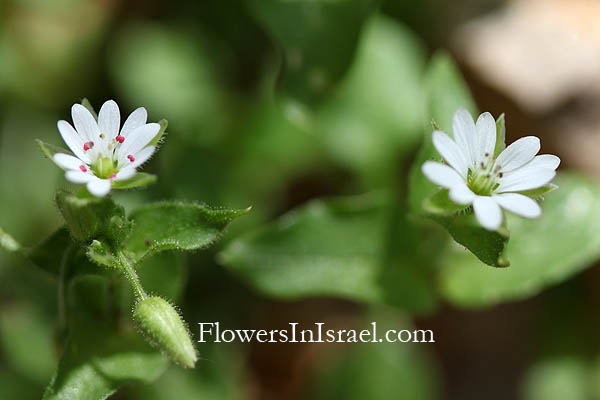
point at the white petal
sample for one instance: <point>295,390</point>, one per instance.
<point>547,161</point>
<point>98,187</point>
<point>85,123</point>
<point>140,157</point>
<point>136,119</point>
<point>518,153</point>
<point>525,179</point>
<point>486,136</point>
<point>137,140</point>
<point>72,140</point>
<point>109,119</point>
<point>125,174</point>
<point>463,128</point>
<point>66,161</point>
<point>519,204</point>
<point>451,152</point>
<point>488,212</point>
<point>79,177</point>
<point>442,174</point>
<point>461,194</point>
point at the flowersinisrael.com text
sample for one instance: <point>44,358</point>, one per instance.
<point>211,331</point>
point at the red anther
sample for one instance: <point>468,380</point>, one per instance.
<point>111,176</point>
<point>120,138</point>
<point>130,157</point>
<point>88,145</point>
<point>83,168</point>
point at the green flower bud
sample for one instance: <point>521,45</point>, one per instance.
<point>165,329</point>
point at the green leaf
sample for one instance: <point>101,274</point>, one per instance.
<point>50,150</point>
<point>309,32</point>
<point>139,180</point>
<point>447,92</point>
<point>176,225</point>
<point>333,248</point>
<point>544,252</point>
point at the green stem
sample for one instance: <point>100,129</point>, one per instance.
<point>131,275</point>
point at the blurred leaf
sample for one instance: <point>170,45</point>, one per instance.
<point>558,379</point>
<point>447,92</point>
<point>176,225</point>
<point>329,248</point>
<point>376,113</point>
<point>219,379</point>
<point>309,32</point>
<point>139,180</point>
<point>377,371</point>
<point>542,252</point>
<point>98,358</point>
<point>173,72</point>
<point>26,338</point>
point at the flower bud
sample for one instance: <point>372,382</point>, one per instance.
<point>165,329</point>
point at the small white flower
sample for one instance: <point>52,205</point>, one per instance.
<point>475,176</point>
<point>103,153</point>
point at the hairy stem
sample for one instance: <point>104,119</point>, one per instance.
<point>131,275</point>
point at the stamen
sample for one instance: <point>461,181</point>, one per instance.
<point>120,138</point>
<point>111,176</point>
<point>102,136</point>
<point>487,155</point>
<point>500,175</point>
<point>83,168</point>
<point>482,165</point>
<point>87,146</point>
<point>130,157</point>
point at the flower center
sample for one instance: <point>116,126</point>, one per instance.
<point>104,168</point>
<point>483,178</point>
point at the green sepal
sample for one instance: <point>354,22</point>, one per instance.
<point>139,180</point>
<point>161,132</point>
<point>89,217</point>
<point>50,150</point>
<point>540,192</point>
<point>500,135</point>
<point>440,203</point>
<point>86,103</point>
<point>101,254</point>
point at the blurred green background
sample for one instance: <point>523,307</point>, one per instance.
<point>283,105</point>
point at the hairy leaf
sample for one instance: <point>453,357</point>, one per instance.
<point>176,225</point>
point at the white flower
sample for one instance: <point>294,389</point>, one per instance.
<point>103,153</point>
<point>475,176</point>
